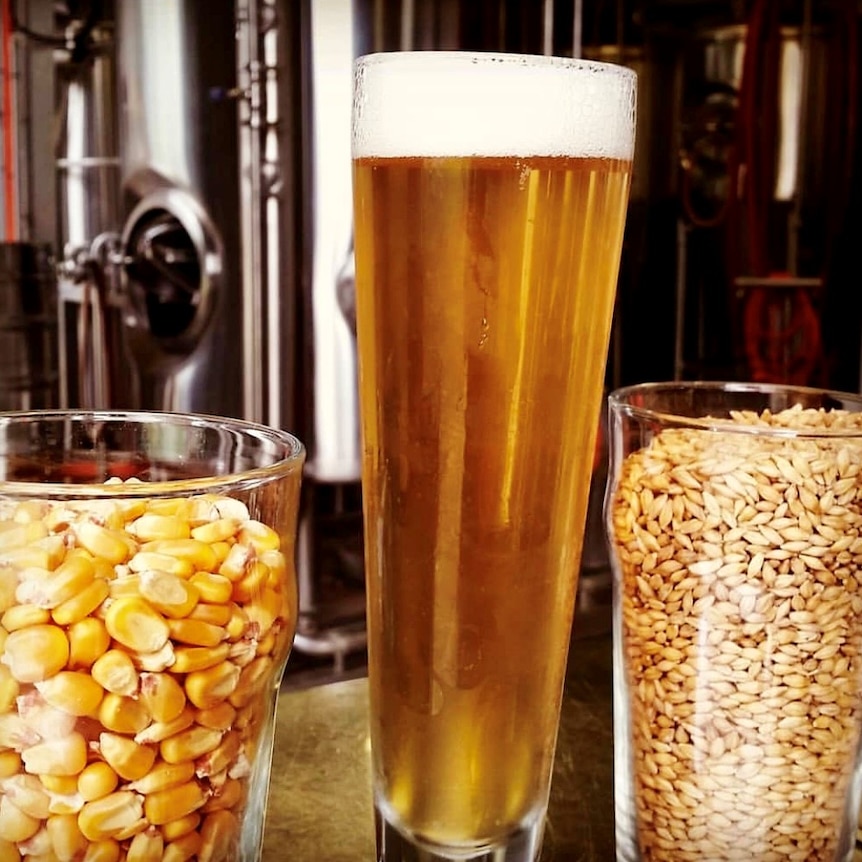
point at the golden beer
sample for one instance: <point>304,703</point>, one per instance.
<point>485,290</point>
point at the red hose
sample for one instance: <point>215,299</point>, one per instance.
<point>8,104</point>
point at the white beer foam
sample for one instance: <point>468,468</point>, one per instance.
<point>447,103</point>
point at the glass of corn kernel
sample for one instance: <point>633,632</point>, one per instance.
<point>734,514</point>
<point>147,609</point>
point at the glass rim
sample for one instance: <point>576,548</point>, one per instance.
<point>293,454</point>
<point>622,400</point>
<point>509,58</point>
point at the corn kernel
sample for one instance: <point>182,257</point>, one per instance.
<point>72,691</point>
<point>162,695</point>
<point>121,714</point>
<point>63,785</point>
<point>136,625</point>
<point>199,554</point>
<point>28,794</point>
<point>102,542</point>
<point>97,779</point>
<point>251,583</point>
<point>265,610</point>
<point>212,588</point>
<point>259,536</point>
<point>229,795</point>
<point>124,585</point>
<point>44,553</point>
<point>196,632</point>
<point>253,678</point>
<point>88,640</point>
<point>177,507</point>
<point>173,830</point>
<point>129,759</point>
<point>238,623</point>
<point>216,531</point>
<point>21,535</point>
<point>110,816</point>
<point>162,806</point>
<point>67,839</point>
<point>235,563</point>
<point>10,764</point>
<point>106,850</point>
<point>227,507</point>
<point>189,659</point>
<point>9,688</point>
<point>15,825</point>
<point>36,652</point>
<point>84,603</point>
<point>146,846</point>
<point>23,616</point>
<point>66,755</point>
<point>163,776</point>
<point>215,615</point>
<point>152,560</point>
<point>152,527</point>
<point>209,687</point>
<point>222,757</point>
<point>218,836</point>
<point>155,662</point>
<point>172,595</point>
<point>160,730</point>
<point>74,574</point>
<point>219,717</point>
<point>183,848</point>
<point>189,744</point>
<point>115,672</point>
<point>221,550</point>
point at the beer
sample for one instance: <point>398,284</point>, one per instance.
<point>485,289</point>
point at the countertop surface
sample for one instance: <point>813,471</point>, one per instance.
<point>320,797</point>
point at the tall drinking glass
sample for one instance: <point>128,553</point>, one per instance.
<point>490,197</point>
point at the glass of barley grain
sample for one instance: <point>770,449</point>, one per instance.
<point>734,513</point>
<point>147,608</point>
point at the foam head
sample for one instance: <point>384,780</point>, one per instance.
<point>449,103</point>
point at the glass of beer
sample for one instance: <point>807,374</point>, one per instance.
<point>490,198</point>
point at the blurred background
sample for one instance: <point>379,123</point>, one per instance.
<point>176,233</point>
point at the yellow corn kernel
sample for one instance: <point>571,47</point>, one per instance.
<point>162,806</point>
<point>146,846</point>
<point>24,615</point>
<point>97,779</point>
<point>124,585</point>
<point>215,615</point>
<point>211,587</point>
<point>15,825</point>
<point>173,830</point>
<point>28,794</point>
<point>164,776</point>
<point>218,717</point>
<point>199,554</point>
<point>136,624</point>
<point>133,830</point>
<point>10,763</point>
<point>216,531</point>
<point>110,816</point>
<point>175,507</point>
<point>237,625</point>
<point>223,507</point>
<point>115,672</point>
<point>66,755</point>
<point>9,688</point>
<point>129,759</point>
<point>72,691</point>
<point>26,511</point>
<point>83,604</point>
<point>235,563</point>
<point>45,553</point>
<point>172,595</point>
<point>183,848</point>
<point>219,832</point>
<point>210,687</point>
<point>151,560</point>
<point>121,714</point>
<point>66,837</point>
<point>276,562</point>
<point>222,757</point>
<point>251,583</point>
<point>102,542</point>
<point>259,536</point>
<point>63,785</point>
<point>160,730</point>
<point>21,535</point>
<point>155,662</point>
<point>8,587</point>
<point>74,574</point>
<point>189,744</point>
<point>196,632</point>
<point>229,795</point>
<point>36,652</point>
<point>265,609</point>
<point>252,679</point>
<point>162,695</point>
<point>221,550</point>
<point>190,659</point>
<point>88,640</point>
<point>152,527</point>
<point>106,850</point>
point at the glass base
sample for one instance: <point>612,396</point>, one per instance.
<point>522,845</point>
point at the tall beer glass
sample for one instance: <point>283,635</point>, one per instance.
<point>490,196</point>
